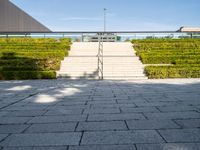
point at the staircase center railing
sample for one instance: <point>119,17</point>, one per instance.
<point>100,56</point>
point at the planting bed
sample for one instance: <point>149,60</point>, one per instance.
<point>28,58</point>
<point>181,55</point>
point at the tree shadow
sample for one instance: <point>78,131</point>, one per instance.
<point>56,88</point>
<point>93,75</point>
<point>15,67</point>
<point>64,101</point>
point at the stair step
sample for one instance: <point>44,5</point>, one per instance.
<point>120,62</point>
<point>125,78</point>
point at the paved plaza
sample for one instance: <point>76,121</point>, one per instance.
<point>100,115</point>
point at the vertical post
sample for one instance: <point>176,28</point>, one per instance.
<point>100,56</point>
<point>102,62</point>
<point>105,19</point>
<point>82,40</point>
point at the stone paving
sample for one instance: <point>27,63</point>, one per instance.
<point>100,115</point>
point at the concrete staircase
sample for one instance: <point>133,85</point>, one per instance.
<point>120,62</point>
<point>81,62</point>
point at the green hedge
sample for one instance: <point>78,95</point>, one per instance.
<point>22,75</point>
<point>30,64</point>
<point>166,44</point>
<point>33,55</point>
<point>168,59</point>
<point>30,58</point>
<point>162,72</point>
<point>182,54</point>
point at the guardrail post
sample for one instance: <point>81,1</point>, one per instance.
<point>100,56</point>
<point>82,38</point>
<point>191,35</point>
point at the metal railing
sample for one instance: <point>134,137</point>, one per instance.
<point>100,56</point>
<point>84,36</point>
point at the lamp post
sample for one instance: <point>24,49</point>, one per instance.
<point>105,19</point>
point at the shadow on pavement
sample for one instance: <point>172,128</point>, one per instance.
<point>89,114</point>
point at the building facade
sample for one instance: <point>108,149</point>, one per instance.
<point>14,19</point>
<point>189,29</point>
<point>95,38</point>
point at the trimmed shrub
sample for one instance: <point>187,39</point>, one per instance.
<point>22,75</point>
<point>184,54</point>
<point>27,58</point>
<point>162,72</point>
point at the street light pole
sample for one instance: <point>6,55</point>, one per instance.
<point>105,19</point>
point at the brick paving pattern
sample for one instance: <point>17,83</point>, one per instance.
<point>100,115</point>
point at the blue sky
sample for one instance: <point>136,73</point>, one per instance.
<point>124,15</point>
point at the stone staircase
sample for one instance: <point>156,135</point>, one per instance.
<point>120,62</point>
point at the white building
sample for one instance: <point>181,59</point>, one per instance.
<point>189,29</point>
<point>105,38</point>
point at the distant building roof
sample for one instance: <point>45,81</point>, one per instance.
<point>13,19</point>
<point>189,29</point>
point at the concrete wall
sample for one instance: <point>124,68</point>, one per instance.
<point>13,19</point>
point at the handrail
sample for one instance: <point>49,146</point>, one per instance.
<point>100,56</point>
<point>98,32</point>
<point>82,36</point>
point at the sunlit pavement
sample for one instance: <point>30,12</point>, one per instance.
<point>100,115</point>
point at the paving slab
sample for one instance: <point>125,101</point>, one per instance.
<point>101,111</point>
<point>51,127</point>
<point>151,124</point>
<point>104,147</point>
<point>102,115</point>
<point>103,102</point>
<point>128,101</point>
<point>112,105</point>
<point>169,146</point>
<point>138,109</point>
<point>2,136</point>
<point>153,104</point>
<point>14,120</point>
<point>70,103</point>
<point>114,117</point>
<point>181,135</point>
<point>3,113</point>
<point>26,108</point>
<point>70,107</point>
<point>13,128</point>
<point>63,112</point>
<point>189,123</point>
<point>35,148</point>
<point>101,126</point>
<point>54,119</point>
<point>42,139</point>
<point>173,115</point>
<point>121,137</point>
<point>25,113</point>
<point>179,108</point>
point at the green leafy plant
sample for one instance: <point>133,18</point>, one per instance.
<point>183,56</point>
<point>29,58</point>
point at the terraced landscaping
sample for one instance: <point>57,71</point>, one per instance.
<point>169,58</point>
<point>28,58</point>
